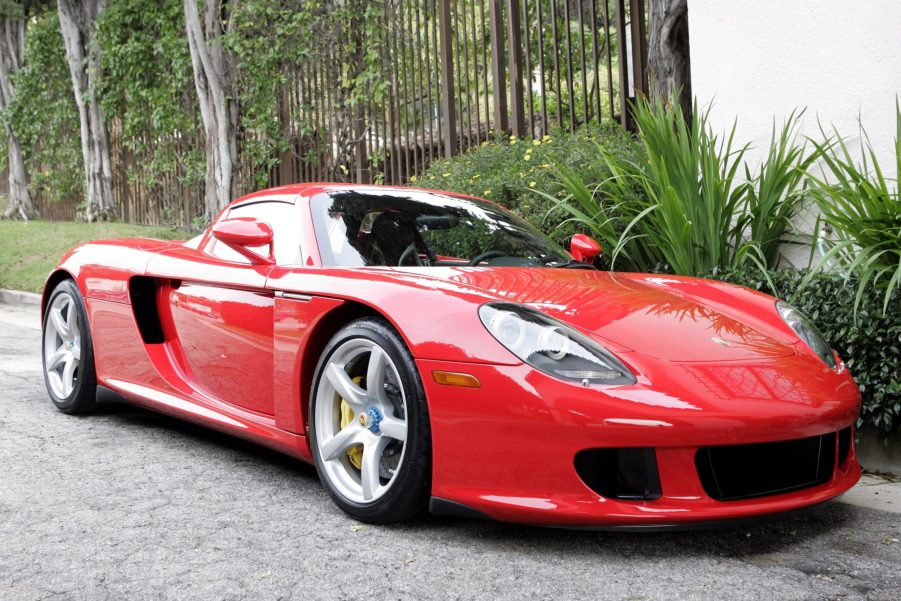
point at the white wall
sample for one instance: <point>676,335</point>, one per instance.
<point>756,61</point>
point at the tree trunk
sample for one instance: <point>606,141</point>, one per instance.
<point>12,57</point>
<point>76,20</point>
<point>212,78</point>
<point>669,67</point>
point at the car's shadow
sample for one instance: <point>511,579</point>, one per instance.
<point>765,538</point>
<point>134,416</point>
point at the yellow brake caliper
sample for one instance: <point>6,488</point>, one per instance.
<point>354,453</point>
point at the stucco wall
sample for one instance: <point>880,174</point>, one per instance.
<point>756,61</point>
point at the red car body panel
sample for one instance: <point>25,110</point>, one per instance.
<point>239,344</point>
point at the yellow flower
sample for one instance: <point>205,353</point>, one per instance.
<point>413,179</point>
<point>546,138</point>
<point>533,184</point>
<point>343,169</point>
<point>445,174</point>
<point>486,192</point>
<point>536,142</point>
<point>527,156</point>
<point>513,138</point>
<point>546,165</point>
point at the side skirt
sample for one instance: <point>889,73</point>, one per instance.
<point>214,415</point>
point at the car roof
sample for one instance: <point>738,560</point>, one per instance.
<point>305,191</point>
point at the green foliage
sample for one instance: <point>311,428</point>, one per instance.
<point>266,39</point>
<point>148,80</point>
<point>43,113</point>
<point>147,93</point>
<point>778,190</point>
<point>869,345</point>
<point>675,202</point>
<point>688,176</point>
<point>510,171</point>
<point>864,211</point>
<point>271,41</point>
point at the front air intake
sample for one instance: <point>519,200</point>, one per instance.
<point>844,445</point>
<point>729,473</point>
<point>620,473</point>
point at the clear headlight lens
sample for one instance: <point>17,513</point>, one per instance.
<point>551,346</point>
<point>807,332</point>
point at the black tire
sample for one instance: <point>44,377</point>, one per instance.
<point>83,396</point>
<point>408,495</point>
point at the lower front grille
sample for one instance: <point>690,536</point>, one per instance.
<point>735,472</point>
<point>620,473</point>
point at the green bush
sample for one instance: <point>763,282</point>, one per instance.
<point>864,210</point>
<point>506,171</point>
<point>677,201</point>
<point>43,114</point>
<point>869,345</point>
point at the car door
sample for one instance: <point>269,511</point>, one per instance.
<point>216,303</point>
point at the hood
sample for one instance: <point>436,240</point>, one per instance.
<point>632,314</point>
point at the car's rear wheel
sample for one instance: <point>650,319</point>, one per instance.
<point>68,355</point>
<point>369,424</point>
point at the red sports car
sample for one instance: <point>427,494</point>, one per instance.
<point>427,350</point>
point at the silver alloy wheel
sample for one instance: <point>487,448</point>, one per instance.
<point>62,345</point>
<point>379,421</point>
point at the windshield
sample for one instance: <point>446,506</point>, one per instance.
<point>356,228</point>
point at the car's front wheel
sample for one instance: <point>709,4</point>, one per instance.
<point>369,424</point>
<point>68,355</point>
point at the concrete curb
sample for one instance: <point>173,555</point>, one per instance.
<point>877,457</point>
<point>22,299</point>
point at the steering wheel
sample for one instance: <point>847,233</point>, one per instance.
<point>486,255</point>
<point>410,251</point>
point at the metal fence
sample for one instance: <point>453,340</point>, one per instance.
<point>460,70</point>
<point>452,74</point>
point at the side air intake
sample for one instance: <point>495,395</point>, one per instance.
<point>142,291</point>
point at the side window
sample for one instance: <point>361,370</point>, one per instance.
<point>282,217</point>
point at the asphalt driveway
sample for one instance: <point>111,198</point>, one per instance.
<point>133,505</point>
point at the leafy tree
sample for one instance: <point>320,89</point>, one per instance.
<point>43,113</point>
<point>76,20</point>
<point>13,16</point>
<point>214,83</point>
<point>147,94</point>
<point>669,67</point>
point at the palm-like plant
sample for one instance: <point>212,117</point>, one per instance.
<point>678,205</point>
<point>777,191</point>
<point>864,211</point>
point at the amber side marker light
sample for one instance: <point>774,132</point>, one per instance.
<point>451,378</point>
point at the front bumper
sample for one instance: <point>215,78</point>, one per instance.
<point>506,450</point>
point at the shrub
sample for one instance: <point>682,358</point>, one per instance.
<point>864,211</point>
<point>676,203</point>
<point>505,170</point>
<point>869,345</point>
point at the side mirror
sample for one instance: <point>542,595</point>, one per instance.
<point>584,248</point>
<point>243,233</point>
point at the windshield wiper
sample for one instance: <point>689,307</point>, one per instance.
<point>574,265</point>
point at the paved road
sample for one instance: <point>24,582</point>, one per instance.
<point>132,505</point>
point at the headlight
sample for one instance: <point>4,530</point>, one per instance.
<point>808,332</point>
<point>551,346</point>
